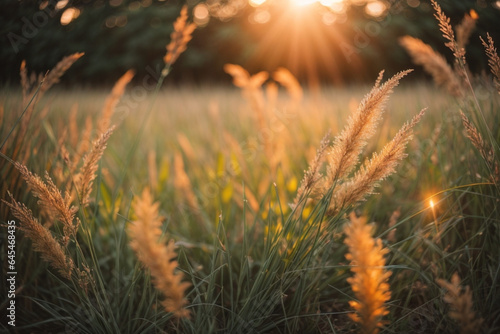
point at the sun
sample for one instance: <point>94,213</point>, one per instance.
<point>301,36</point>
<point>302,3</point>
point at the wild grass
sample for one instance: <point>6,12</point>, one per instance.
<point>227,239</point>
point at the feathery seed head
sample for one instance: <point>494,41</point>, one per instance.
<point>369,283</point>
<point>376,169</point>
<point>179,38</point>
<point>145,239</point>
<point>50,199</point>
<point>41,238</point>
<point>462,305</point>
<point>90,164</point>
<point>493,60</point>
<point>434,63</point>
<point>448,34</point>
<point>57,72</point>
<point>343,156</point>
<point>112,100</point>
<point>465,28</point>
<point>288,80</point>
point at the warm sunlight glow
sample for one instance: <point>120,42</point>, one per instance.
<point>201,15</point>
<point>376,8</point>
<point>473,14</point>
<point>431,204</point>
<point>256,3</point>
<point>61,4</point>
<point>301,3</point>
<point>328,18</point>
<point>69,15</point>
<point>299,36</point>
<point>260,16</point>
<point>329,3</point>
<point>335,5</point>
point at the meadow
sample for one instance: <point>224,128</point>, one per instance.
<point>215,209</point>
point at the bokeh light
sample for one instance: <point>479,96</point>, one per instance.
<point>260,16</point>
<point>256,3</point>
<point>201,15</point>
<point>376,8</point>
<point>301,3</point>
<point>413,3</point>
<point>61,4</point>
<point>69,15</point>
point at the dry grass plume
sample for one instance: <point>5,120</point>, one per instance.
<point>461,304</point>
<point>183,184</point>
<point>376,169</point>
<point>369,283</point>
<point>493,60</point>
<point>51,200</point>
<point>361,125</point>
<point>288,80</point>
<point>487,152</point>
<point>448,34</point>
<point>465,28</point>
<point>112,100</point>
<point>145,239</point>
<point>43,241</point>
<point>179,38</point>
<point>89,168</point>
<point>434,63</point>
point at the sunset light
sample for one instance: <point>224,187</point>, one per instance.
<point>301,3</point>
<point>250,166</point>
<point>376,8</point>
<point>256,3</point>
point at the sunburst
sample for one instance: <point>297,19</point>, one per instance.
<point>298,38</point>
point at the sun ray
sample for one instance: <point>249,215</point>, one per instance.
<point>297,38</point>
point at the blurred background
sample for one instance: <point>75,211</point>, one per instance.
<point>334,42</point>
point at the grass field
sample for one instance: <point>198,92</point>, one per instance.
<point>257,250</point>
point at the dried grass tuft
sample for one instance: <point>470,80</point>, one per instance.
<point>434,63</point>
<point>361,125</point>
<point>461,305</point>
<point>493,60</point>
<point>487,152</point>
<point>465,28</point>
<point>179,38</point>
<point>183,184</point>
<point>43,241</point>
<point>51,200</point>
<point>448,34</point>
<point>376,169</point>
<point>112,100</point>
<point>88,171</point>
<point>369,283</point>
<point>57,72</point>
<point>288,80</point>
<point>145,239</point>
